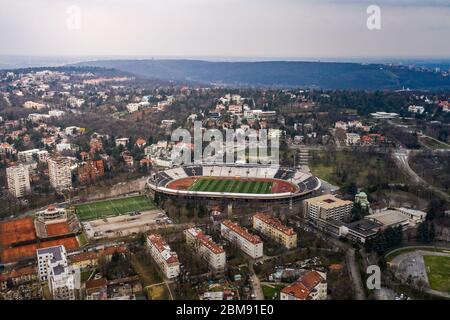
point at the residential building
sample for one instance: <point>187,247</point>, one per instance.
<point>62,278</point>
<point>60,173</point>
<point>164,257</point>
<point>327,207</point>
<point>310,286</point>
<point>90,171</point>
<point>352,139</point>
<point>206,248</point>
<point>17,277</point>
<point>18,179</point>
<point>245,241</point>
<point>275,230</point>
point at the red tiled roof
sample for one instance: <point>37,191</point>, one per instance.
<point>241,231</point>
<point>274,223</point>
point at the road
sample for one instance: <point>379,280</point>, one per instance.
<point>256,283</point>
<point>401,158</point>
<point>351,263</point>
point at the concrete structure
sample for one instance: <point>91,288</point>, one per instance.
<point>18,179</point>
<point>206,248</point>
<point>245,241</point>
<point>60,173</point>
<point>166,259</point>
<point>62,278</point>
<point>52,213</point>
<point>327,207</point>
<point>27,155</point>
<point>275,230</point>
<point>310,286</point>
<point>394,217</point>
<point>51,254</point>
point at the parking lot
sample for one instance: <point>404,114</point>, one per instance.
<point>126,224</point>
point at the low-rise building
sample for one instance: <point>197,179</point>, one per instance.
<point>206,248</point>
<point>395,217</point>
<point>275,230</point>
<point>310,286</point>
<point>244,240</point>
<point>164,257</point>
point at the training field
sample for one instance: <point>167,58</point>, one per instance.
<point>438,271</point>
<point>113,207</point>
<point>232,186</point>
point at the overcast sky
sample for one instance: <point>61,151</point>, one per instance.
<point>226,28</point>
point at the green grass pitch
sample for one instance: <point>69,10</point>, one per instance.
<point>113,207</point>
<point>232,186</point>
<point>438,271</point>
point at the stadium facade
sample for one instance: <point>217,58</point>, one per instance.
<point>242,182</point>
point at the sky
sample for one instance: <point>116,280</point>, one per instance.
<point>224,28</point>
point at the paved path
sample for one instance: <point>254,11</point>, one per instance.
<point>412,264</point>
<point>256,283</point>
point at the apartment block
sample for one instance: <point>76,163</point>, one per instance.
<point>275,230</point>
<point>18,179</point>
<point>206,248</point>
<point>245,241</point>
<point>164,257</point>
<point>60,173</point>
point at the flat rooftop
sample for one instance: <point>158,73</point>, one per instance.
<point>328,201</point>
<point>388,217</point>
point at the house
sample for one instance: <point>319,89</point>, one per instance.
<point>310,286</point>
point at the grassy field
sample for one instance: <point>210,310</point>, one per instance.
<point>438,271</point>
<point>233,186</point>
<point>272,292</point>
<point>158,292</point>
<point>113,207</point>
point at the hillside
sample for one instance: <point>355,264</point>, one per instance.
<point>326,75</point>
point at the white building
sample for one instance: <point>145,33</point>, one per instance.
<point>121,142</point>
<point>132,107</point>
<point>326,207</point>
<point>164,257</point>
<point>310,286</point>
<point>56,113</point>
<point>60,173</point>
<point>206,248</point>
<point>416,109</point>
<point>352,139</point>
<point>245,241</point>
<point>62,278</point>
<point>18,179</point>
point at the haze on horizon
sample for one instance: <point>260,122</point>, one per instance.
<point>225,28</point>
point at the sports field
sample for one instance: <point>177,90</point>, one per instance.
<point>232,186</point>
<point>113,207</point>
<point>438,271</point>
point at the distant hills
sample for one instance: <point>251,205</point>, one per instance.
<point>326,75</point>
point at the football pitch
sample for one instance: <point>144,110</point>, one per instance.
<point>232,186</point>
<point>113,207</point>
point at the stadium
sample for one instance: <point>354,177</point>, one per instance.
<point>234,182</point>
